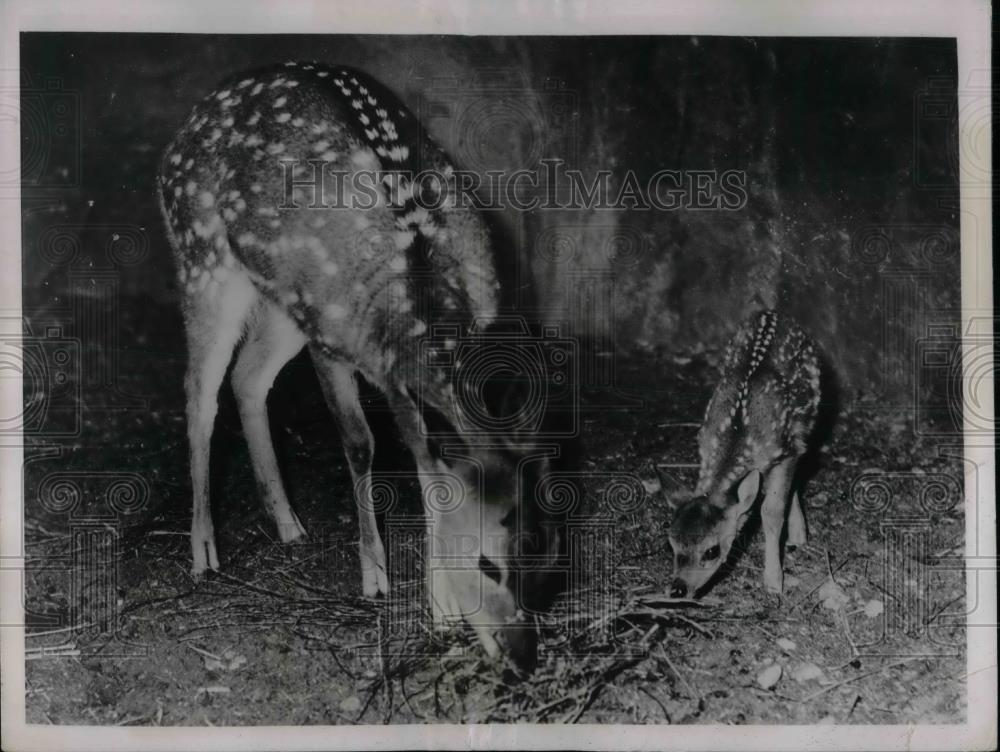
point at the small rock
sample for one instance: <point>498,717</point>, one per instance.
<point>769,676</point>
<point>652,486</point>
<point>807,672</point>
<point>832,595</point>
<point>873,608</point>
<point>785,644</point>
<point>350,704</point>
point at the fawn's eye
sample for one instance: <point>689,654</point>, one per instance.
<point>490,569</point>
<point>682,560</point>
<point>711,554</point>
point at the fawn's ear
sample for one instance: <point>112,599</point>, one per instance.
<point>675,492</point>
<point>747,491</point>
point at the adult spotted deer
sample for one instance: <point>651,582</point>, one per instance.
<point>756,428</point>
<point>306,207</point>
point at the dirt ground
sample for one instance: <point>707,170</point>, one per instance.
<point>282,635</point>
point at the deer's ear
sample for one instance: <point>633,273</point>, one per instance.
<point>747,491</point>
<point>675,492</point>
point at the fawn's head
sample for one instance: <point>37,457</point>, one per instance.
<point>703,531</point>
<point>495,555</point>
<point>490,548</point>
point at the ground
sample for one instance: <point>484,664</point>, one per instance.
<point>870,628</point>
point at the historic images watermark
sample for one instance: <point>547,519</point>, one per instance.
<point>314,184</point>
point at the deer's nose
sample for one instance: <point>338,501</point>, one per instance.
<point>678,589</point>
<point>520,642</point>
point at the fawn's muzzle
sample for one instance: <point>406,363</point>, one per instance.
<point>519,641</point>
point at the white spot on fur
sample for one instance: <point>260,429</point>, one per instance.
<point>403,240</point>
<point>335,311</point>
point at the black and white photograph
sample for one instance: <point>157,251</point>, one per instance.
<point>498,376</point>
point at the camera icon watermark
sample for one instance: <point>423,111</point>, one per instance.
<point>507,379</point>
<point>954,119</point>
<point>954,381</point>
<point>49,365</point>
<point>50,120</point>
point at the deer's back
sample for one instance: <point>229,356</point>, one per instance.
<point>764,407</point>
<point>366,260</point>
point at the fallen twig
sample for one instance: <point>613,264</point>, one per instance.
<point>695,694</point>
<point>61,630</point>
<point>849,680</point>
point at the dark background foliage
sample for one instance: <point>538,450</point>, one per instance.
<point>849,147</point>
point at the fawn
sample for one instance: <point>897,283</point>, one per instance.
<point>756,428</point>
<point>271,259</point>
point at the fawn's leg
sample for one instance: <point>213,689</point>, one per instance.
<point>272,340</point>
<point>414,433</point>
<point>341,392</point>
<point>772,513</point>
<point>214,324</point>
<point>796,522</point>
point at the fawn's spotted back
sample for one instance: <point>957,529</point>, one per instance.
<point>764,407</point>
<point>365,261</point>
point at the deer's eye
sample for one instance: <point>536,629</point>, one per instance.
<point>682,560</point>
<point>711,554</point>
<point>490,569</point>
